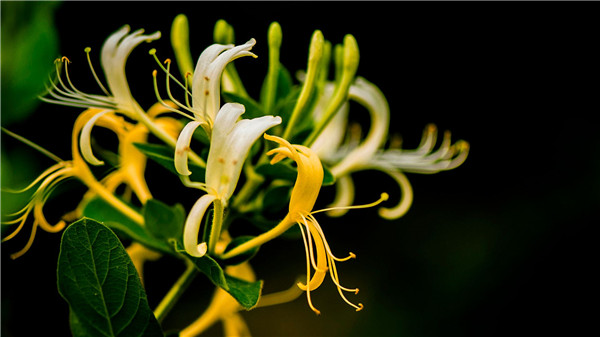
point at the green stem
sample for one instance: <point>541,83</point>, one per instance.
<point>175,292</point>
<point>215,229</point>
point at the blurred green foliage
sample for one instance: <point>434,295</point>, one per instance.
<point>29,42</point>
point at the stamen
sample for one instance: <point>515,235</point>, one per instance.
<point>384,196</point>
<point>168,63</point>
<point>18,254</point>
<point>87,52</point>
<point>322,234</point>
<point>33,145</point>
<point>153,53</point>
<point>162,102</point>
<point>307,274</point>
<point>310,246</point>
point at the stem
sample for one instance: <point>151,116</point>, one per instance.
<point>215,229</point>
<point>175,292</point>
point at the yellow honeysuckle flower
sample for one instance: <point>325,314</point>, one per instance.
<point>303,198</point>
<point>75,168</point>
<point>229,147</point>
<point>356,155</point>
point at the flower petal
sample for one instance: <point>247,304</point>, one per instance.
<point>207,77</point>
<point>192,226</point>
<point>84,140</point>
<point>182,148</point>
<point>230,143</point>
<point>405,202</point>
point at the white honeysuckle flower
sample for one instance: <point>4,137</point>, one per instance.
<point>368,154</point>
<point>206,83</point>
<point>113,58</point>
<point>115,52</point>
<point>230,143</point>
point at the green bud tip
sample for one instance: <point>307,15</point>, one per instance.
<point>351,54</point>
<point>317,43</point>
<point>180,30</point>
<point>275,35</point>
<point>223,33</point>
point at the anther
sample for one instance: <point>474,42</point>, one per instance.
<point>64,58</point>
<point>154,73</point>
<point>352,256</point>
<point>360,307</point>
<point>168,61</point>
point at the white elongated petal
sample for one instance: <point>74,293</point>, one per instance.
<point>206,84</point>
<point>445,158</point>
<point>327,144</point>
<point>230,143</point>
<point>115,52</point>
<point>182,148</point>
<point>192,226</point>
<point>84,139</point>
<point>368,95</point>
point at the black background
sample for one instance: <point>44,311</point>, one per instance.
<point>501,245</point>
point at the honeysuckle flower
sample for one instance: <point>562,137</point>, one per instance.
<point>304,195</point>
<point>230,143</point>
<point>206,82</point>
<point>368,154</point>
<point>131,167</point>
<point>50,178</point>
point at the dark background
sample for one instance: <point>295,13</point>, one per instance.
<point>501,245</point>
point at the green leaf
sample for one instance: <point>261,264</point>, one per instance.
<point>100,283</point>
<point>276,197</point>
<point>245,292</point>
<point>253,108</point>
<point>165,156</point>
<point>279,170</point>
<point>164,222</point>
<point>100,210</point>
<point>328,177</point>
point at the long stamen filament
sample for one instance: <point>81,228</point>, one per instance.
<point>33,145</point>
<point>87,52</point>
<point>168,85</point>
<point>162,102</point>
<point>382,198</point>
<point>306,251</point>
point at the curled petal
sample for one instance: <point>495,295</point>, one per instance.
<point>182,148</point>
<point>406,200</point>
<point>84,142</point>
<point>192,226</point>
